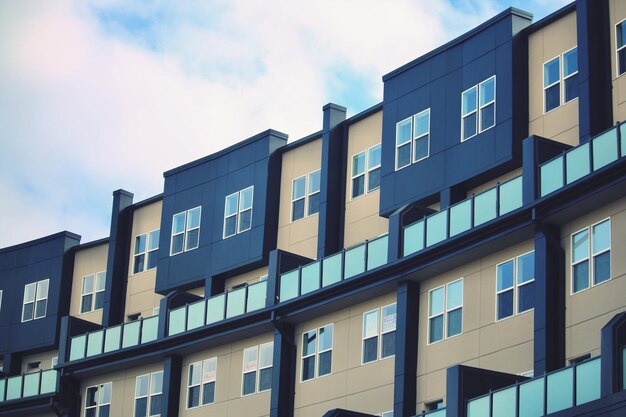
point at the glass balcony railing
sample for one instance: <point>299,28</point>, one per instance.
<point>114,338</point>
<point>435,413</point>
<point>582,160</point>
<point>624,364</point>
<point>28,385</point>
<point>334,268</point>
<point>556,391</point>
<point>219,307</point>
<point>463,216</point>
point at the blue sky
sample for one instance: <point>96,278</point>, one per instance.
<point>97,95</point>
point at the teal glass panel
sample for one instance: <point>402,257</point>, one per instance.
<point>531,398</point>
<point>560,390</point>
<point>195,315</point>
<point>14,387</point>
<point>436,228</point>
<point>478,407</point>
<point>310,276</point>
<point>577,163</point>
<point>624,367</point>
<point>3,384</point>
<point>112,338</point>
<point>588,381</point>
<point>460,217</point>
<point>377,251</point>
<point>510,195</point>
<point>149,329</point>
<point>49,381</point>
<point>256,296</point>
<point>623,139</point>
<point>331,269</point>
<point>31,384</point>
<point>504,402</point>
<point>289,285</point>
<point>485,207</point>
<point>178,318</point>
<point>438,413</point>
<point>77,347</point>
<point>94,343</point>
<point>130,334</point>
<point>235,302</point>
<point>355,261</point>
<point>413,238</point>
<point>216,309</point>
<point>604,149</point>
<point>551,176</point>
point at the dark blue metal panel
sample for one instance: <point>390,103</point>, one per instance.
<point>405,368</point>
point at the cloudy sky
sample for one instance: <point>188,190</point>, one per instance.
<point>97,95</point>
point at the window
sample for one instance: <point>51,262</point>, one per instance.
<point>146,246</point>
<point>591,256</point>
<point>620,43</point>
<point>563,67</point>
<point>33,366</point>
<point>92,292</point>
<point>185,231</point>
<point>517,273</point>
<point>35,300</point>
<point>413,139</point>
<point>317,352</point>
<point>305,189</point>
<point>362,180</point>
<point>238,212</point>
<point>201,385</point>
<point>148,393</point>
<point>98,400</point>
<point>257,358</point>
<point>445,311</point>
<point>434,405</point>
<point>373,328</point>
<point>478,108</point>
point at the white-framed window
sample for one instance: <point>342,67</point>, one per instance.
<point>478,108</point>
<point>413,139</point>
<point>591,256</point>
<point>35,301</point>
<point>98,400</point>
<point>185,230</point>
<point>257,368</point>
<point>562,69</point>
<point>379,335</point>
<point>148,393</point>
<point>620,47</point>
<point>238,212</point>
<point>146,251</point>
<point>305,195</point>
<point>201,383</point>
<point>92,292</point>
<point>317,352</point>
<point>366,171</point>
<point>445,311</point>
<point>515,286</point>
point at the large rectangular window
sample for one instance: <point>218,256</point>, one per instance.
<point>366,171</point>
<point>515,286</point>
<point>591,256</point>
<point>620,44</point>
<point>257,368</point>
<point>146,250</point>
<point>305,195</point>
<point>35,301</point>
<point>148,393</point>
<point>379,333</point>
<point>98,400</point>
<point>92,292</point>
<point>185,231</point>
<point>445,311</point>
<point>317,352</point>
<point>413,139</point>
<point>478,108</point>
<point>201,383</point>
<point>560,70</point>
<point>238,212</point>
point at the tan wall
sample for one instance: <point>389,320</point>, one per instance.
<point>617,13</point>
<point>362,221</point>
<point>122,388</point>
<point>140,295</point>
<point>197,291</point>
<point>249,277</point>
<point>86,262</point>
<point>491,184</point>
<point>587,311</point>
<point>560,124</point>
<point>44,357</point>
<point>228,399</point>
<point>366,388</point>
<point>506,345</point>
<point>298,237</point>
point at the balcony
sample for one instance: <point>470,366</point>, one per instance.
<point>28,386</point>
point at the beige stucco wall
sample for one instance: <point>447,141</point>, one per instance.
<point>298,237</point>
<point>87,261</point>
<point>361,216</point>
<point>249,277</point>
<point>617,13</point>
<point>560,124</point>
<point>44,357</point>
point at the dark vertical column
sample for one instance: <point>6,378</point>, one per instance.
<point>213,286</point>
<point>117,261</point>
<point>272,278</point>
<point>12,364</point>
<point>405,374</point>
<point>549,341</point>
<point>451,195</point>
<point>613,340</point>
<point>70,398</point>
<point>333,180</point>
<point>172,367</point>
<point>529,170</point>
<point>283,372</point>
<point>396,236</point>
